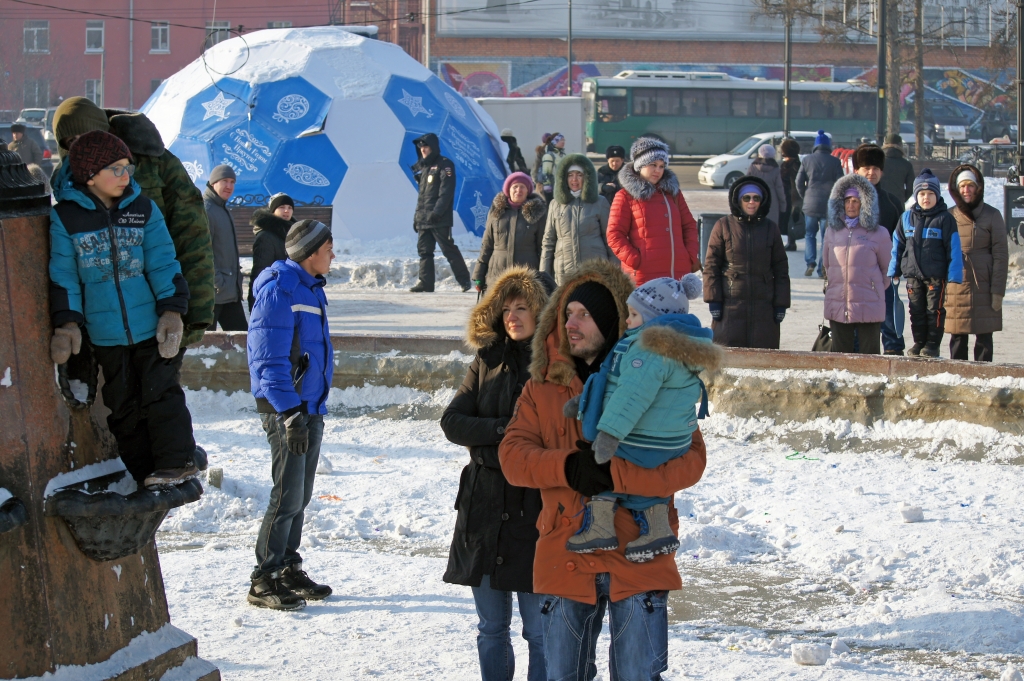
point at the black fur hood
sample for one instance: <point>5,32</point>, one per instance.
<point>641,189</point>
<point>137,131</point>
<point>534,208</point>
<point>264,221</point>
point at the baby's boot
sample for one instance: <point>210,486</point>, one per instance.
<point>598,530</point>
<point>656,535</point>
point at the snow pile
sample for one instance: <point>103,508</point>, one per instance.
<point>382,396</point>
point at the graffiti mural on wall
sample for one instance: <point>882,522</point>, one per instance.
<point>981,91</point>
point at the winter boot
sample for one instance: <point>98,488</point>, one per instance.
<point>809,271</point>
<point>791,247</point>
<point>915,350</point>
<point>294,578</point>
<point>893,353</point>
<point>170,477</point>
<point>930,350</point>
<point>655,535</point>
<point>598,530</point>
<point>200,459</point>
<point>466,286</point>
<point>268,592</point>
<point>420,287</point>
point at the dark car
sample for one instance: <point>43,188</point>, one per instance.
<point>947,121</point>
<point>35,134</point>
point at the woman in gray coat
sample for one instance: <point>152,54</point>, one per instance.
<point>766,168</point>
<point>515,227</point>
<point>577,223</point>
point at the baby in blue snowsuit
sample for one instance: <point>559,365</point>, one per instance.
<point>641,407</point>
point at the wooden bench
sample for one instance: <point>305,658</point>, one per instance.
<point>243,230</point>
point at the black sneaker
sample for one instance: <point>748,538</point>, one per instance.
<point>420,287</point>
<point>295,578</point>
<point>268,592</point>
<point>915,350</point>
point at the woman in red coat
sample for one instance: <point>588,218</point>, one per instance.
<point>651,230</point>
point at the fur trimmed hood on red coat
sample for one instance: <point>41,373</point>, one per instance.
<point>641,189</point>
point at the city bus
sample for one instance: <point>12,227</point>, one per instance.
<point>703,114</point>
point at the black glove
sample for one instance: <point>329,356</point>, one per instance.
<point>716,311</point>
<point>586,476</point>
<point>296,432</point>
<point>780,314</point>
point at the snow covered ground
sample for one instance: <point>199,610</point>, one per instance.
<point>779,547</point>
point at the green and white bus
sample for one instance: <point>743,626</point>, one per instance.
<point>703,114</point>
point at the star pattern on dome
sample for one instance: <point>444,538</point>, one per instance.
<point>479,212</point>
<point>415,105</point>
<point>217,106</point>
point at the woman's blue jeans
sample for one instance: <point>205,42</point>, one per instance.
<point>494,642</point>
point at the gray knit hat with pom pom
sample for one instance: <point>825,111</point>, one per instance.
<point>665,296</point>
<point>647,150</point>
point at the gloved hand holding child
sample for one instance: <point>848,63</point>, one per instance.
<point>66,341</point>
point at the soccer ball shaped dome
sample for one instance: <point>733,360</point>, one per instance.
<point>327,117</point>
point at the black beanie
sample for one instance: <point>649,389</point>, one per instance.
<point>280,199</point>
<point>600,303</point>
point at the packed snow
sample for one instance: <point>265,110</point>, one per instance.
<point>781,549</point>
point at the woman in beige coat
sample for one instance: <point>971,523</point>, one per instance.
<point>976,306</point>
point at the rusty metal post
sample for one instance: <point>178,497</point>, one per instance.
<point>58,607</point>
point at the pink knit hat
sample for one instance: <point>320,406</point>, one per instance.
<point>521,178</point>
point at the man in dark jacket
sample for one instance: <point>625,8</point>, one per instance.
<point>868,162</point>
<point>791,220</point>
<point>24,146</point>
<point>899,172</point>
<point>291,364</point>
<point>608,174</point>
<point>270,226</point>
<point>818,172</point>
<point>433,220</point>
<point>228,276</point>
<point>516,162</point>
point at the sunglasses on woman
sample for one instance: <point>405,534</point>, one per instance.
<point>751,198</point>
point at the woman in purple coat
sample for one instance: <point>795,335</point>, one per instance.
<point>855,257</point>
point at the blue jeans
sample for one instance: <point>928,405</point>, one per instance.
<point>494,644</point>
<point>814,228</point>
<point>892,327</point>
<point>639,635</point>
<point>277,545</point>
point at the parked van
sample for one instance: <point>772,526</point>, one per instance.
<point>724,169</point>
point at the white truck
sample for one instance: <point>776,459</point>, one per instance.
<point>531,117</point>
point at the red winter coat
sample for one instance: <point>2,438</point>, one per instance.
<point>651,230</point>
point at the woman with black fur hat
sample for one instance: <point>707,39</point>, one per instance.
<point>270,225</point>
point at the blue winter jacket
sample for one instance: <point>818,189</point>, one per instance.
<point>291,360</point>
<point>926,245</point>
<point>113,270</point>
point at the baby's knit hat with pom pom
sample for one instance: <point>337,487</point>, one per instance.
<point>665,296</point>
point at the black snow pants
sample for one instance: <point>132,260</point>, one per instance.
<point>927,303</point>
<point>148,415</point>
<point>441,236</point>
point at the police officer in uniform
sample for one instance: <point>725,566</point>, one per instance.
<point>433,220</point>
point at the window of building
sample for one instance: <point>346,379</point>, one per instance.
<point>279,24</point>
<point>37,93</point>
<point>37,36</point>
<point>159,37</point>
<point>94,91</point>
<point>217,32</point>
<point>94,36</point>
<point>154,84</point>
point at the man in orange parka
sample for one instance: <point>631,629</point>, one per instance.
<point>543,449</point>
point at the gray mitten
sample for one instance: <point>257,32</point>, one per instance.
<point>572,408</point>
<point>604,447</point>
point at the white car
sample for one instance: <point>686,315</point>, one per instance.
<point>724,169</point>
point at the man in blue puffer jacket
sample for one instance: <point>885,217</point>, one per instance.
<point>113,270</point>
<point>291,363</point>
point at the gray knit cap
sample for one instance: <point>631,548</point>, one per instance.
<point>305,238</point>
<point>221,172</point>
<point>665,295</point>
<point>647,150</point>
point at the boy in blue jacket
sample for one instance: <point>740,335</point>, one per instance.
<point>926,250</point>
<point>291,364</point>
<point>113,270</point>
<point>641,407</point>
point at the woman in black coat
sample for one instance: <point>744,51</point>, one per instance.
<point>270,225</point>
<point>496,533</point>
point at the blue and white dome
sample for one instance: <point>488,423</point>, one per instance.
<point>329,118</point>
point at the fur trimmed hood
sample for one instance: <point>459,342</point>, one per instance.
<point>534,208</point>
<point>954,190</point>
<point>552,360</point>
<point>734,199</point>
<point>868,202</point>
<point>484,327</point>
<point>263,220</point>
<point>641,189</point>
<point>137,131</point>
<point>562,194</point>
<point>678,346</point>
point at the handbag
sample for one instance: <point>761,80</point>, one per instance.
<point>823,343</point>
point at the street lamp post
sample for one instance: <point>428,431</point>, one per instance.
<point>788,72</point>
<point>568,73</point>
<point>880,112</point>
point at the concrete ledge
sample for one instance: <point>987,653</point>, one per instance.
<point>785,386</point>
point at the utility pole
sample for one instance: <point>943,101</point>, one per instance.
<point>788,72</point>
<point>568,79</point>
<point>880,111</point>
<point>1020,79</point>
